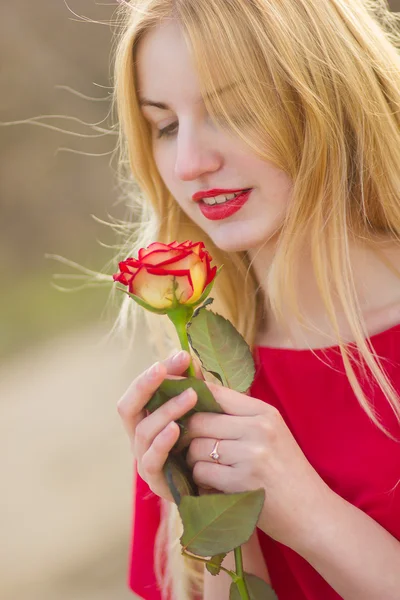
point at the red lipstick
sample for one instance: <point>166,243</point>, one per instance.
<point>216,212</point>
<point>215,192</point>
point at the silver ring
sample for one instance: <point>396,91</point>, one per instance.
<point>214,453</point>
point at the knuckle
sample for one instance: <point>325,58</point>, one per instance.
<point>259,454</point>
<point>128,400</point>
<point>148,465</point>
<point>121,407</point>
<point>268,428</point>
<point>141,434</point>
<point>170,409</point>
<point>125,409</point>
<point>257,450</point>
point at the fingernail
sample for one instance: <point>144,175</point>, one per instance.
<point>154,370</point>
<point>182,398</point>
<point>178,358</point>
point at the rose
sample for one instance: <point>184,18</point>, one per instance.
<point>165,276</point>
<point>170,279</point>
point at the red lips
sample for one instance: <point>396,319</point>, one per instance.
<point>215,192</point>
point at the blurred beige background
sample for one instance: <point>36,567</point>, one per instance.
<point>65,506</point>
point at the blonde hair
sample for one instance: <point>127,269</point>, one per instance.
<point>321,86</point>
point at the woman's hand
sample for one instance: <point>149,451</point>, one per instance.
<point>153,435</point>
<point>257,450</point>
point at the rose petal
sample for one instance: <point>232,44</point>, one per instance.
<point>184,290</point>
<point>183,280</point>
<point>163,258</point>
<point>131,265</point>
<point>154,246</point>
<point>199,276</point>
<point>155,289</point>
<point>124,278</point>
<point>210,276</point>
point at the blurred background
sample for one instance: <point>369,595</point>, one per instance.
<point>66,501</point>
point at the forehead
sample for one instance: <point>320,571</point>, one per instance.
<point>164,67</point>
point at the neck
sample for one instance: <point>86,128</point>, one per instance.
<point>377,286</point>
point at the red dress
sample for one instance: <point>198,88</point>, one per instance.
<point>356,460</point>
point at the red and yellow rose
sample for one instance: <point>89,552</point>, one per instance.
<point>165,276</point>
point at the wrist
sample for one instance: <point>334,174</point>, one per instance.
<point>309,522</point>
<point>315,533</point>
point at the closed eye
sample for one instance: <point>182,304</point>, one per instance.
<point>167,131</point>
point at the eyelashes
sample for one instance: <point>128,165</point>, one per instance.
<point>170,130</point>
<point>167,131</point>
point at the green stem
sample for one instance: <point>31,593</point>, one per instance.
<point>180,318</point>
<point>237,577</point>
<point>205,560</point>
<point>240,581</point>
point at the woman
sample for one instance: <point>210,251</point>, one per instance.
<point>297,101</point>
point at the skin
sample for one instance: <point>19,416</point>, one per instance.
<point>257,448</point>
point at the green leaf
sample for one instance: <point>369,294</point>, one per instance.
<point>179,477</point>
<point>258,589</point>
<point>213,566</point>
<point>218,523</point>
<point>221,349</point>
<point>173,387</point>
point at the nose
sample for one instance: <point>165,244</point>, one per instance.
<point>195,155</point>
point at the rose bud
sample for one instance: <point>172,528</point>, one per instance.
<point>166,276</point>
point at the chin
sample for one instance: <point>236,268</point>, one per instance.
<point>244,242</point>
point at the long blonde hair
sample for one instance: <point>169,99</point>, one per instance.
<point>321,86</point>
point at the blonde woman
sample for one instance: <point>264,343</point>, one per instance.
<point>297,101</point>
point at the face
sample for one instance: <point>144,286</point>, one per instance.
<point>195,155</point>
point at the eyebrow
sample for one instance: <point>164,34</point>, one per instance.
<point>163,106</point>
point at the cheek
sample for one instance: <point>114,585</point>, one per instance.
<point>166,169</point>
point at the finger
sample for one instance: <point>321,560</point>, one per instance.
<point>131,405</point>
<point>151,426</point>
<point>231,452</point>
<point>219,477</point>
<point>177,363</point>
<point>213,425</point>
<point>238,404</point>
<point>152,463</point>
